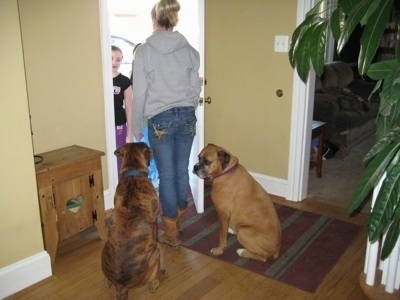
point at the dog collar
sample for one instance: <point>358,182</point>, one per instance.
<point>229,170</point>
<point>134,173</point>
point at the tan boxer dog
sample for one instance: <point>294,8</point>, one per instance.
<point>131,257</point>
<point>242,205</point>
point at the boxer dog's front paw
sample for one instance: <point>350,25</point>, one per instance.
<point>217,251</point>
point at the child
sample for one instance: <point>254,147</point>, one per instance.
<point>122,103</point>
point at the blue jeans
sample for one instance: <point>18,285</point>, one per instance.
<point>171,135</point>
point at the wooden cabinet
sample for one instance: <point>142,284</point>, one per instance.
<point>70,188</point>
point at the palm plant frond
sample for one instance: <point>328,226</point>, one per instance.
<point>302,57</point>
<point>317,44</point>
<point>386,203</point>
<point>391,84</point>
<point>372,174</point>
<point>392,235</point>
<point>372,33</point>
<point>337,22</point>
<point>354,17</point>
<point>381,144</point>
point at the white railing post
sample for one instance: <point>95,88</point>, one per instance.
<point>371,262</point>
<point>372,248</point>
<point>391,266</point>
<point>397,282</point>
<point>392,269</point>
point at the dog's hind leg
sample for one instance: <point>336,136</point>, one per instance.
<point>255,245</point>
<point>247,254</point>
<point>154,274</point>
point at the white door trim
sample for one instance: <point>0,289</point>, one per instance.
<point>197,184</point>
<point>300,131</point>
<point>108,104</point>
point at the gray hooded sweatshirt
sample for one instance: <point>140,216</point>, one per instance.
<point>165,75</point>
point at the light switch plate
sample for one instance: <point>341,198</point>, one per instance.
<point>281,43</point>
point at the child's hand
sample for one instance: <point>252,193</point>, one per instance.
<point>139,136</point>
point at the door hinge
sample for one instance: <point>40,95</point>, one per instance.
<point>94,216</point>
<point>91,180</point>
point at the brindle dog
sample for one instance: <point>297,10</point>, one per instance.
<point>131,257</point>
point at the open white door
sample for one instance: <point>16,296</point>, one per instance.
<point>136,27</point>
<point>191,25</point>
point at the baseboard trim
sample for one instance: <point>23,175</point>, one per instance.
<point>24,273</point>
<point>272,185</point>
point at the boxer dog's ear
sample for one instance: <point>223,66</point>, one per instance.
<point>224,158</point>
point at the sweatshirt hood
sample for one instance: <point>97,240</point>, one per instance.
<point>166,42</point>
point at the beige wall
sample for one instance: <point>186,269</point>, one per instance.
<point>62,51</point>
<point>20,231</point>
<point>63,91</point>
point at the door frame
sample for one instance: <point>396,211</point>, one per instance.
<point>295,188</point>
<point>108,104</point>
<point>196,183</point>
<point>302,115</point>
<point>300,130</point>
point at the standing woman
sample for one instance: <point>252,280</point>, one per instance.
<point>122,87</point>
<point>166,90</point>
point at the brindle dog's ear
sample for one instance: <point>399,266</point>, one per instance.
<point>119,152</point>
<point>146,150</point>
<point>148,154</point>
<point>224,158</point>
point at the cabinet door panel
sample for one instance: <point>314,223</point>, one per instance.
<point>74,205</point>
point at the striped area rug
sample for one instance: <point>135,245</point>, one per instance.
<point>311,244</point>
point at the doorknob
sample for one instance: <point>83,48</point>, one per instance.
<point>201,100</point>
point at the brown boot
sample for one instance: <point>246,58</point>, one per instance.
<point>180,217</point>
<point>170,236</point>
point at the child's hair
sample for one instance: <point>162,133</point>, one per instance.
<point>165,13</point>
<point>115,48</point>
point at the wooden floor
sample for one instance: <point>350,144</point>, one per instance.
<point>77,273</point>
